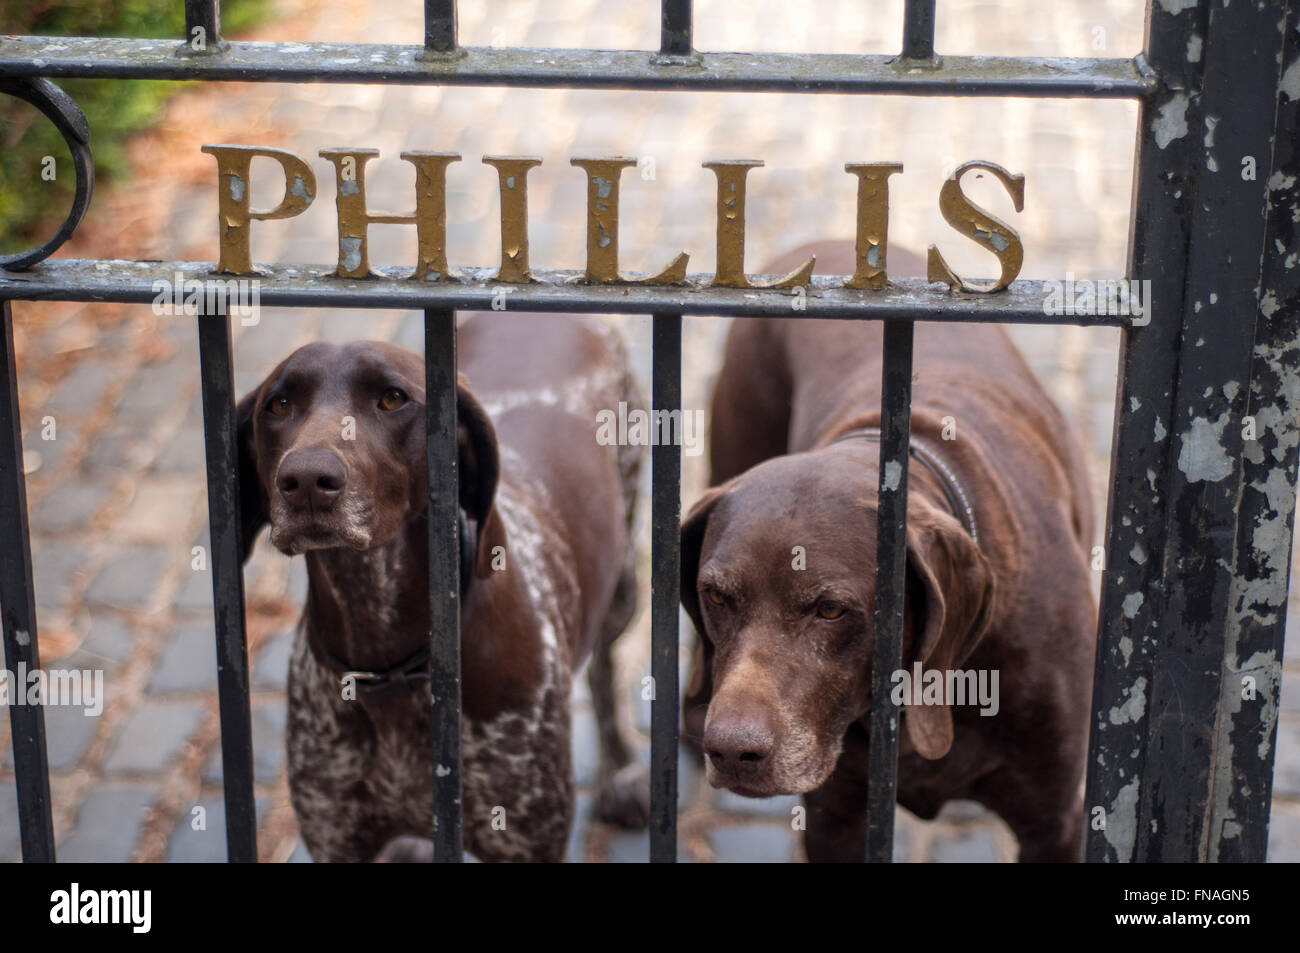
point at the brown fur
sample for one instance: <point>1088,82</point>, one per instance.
<point>779,696</point>
<point>537,489</point>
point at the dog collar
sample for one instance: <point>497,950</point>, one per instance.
<point>920,448</point>
<point>415,667</point>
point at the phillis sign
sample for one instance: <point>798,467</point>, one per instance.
<point>603,175</point>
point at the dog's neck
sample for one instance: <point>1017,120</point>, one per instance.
<point>370,609</point>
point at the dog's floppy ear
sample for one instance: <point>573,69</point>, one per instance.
<point>254,508</point>
<point>699,689</point>
<point>479,467</point>
<point>953,584</point>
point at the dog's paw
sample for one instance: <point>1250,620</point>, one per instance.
<point>406,850</point>
<point>624,797</point>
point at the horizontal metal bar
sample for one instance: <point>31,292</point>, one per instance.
<point>314,286</point>
<point>585,69</point>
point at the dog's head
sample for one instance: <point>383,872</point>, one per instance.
<point>332,449</point>
<point>778,574</point>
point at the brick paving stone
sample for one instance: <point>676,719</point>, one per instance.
<point>271,667</point>
<point>183,452</point>
<point>1286,769</point>
<point>207,846</point>
<point>51,453</point>
<point>967,847</point>
<point>633,847</point>
<point>753,844</point>
<point>585,742</point>
<point>195,593</point>
<point>268,747</point>
<point>116,447</point>
<point>189,664</point>
<point>68,731</point>
<point>156,389</point>
<point>70,506</point>
<point>82,390</point>
<point>108,826</point>
<point>1283,835</point>
<point>109,637</point>
<point>152,736</point>
<point>56,565</point>
<point>129,577</point>
<point>574,853</point>
<point>776,807</point>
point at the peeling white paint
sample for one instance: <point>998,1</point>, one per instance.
<point>1194,44</point>
<point>1132,602</point>
<point>1126,648</point>
<point>1121,819</point>
<point>1136,706</point>
<point>350,252</point>
<point>1278,182</point>
<point>893,473</point>
<point>1159,431</point>
<point>1291,81</point>
<point>1138,554</point>
<point>1171,124</point>
<point>1202,455</point>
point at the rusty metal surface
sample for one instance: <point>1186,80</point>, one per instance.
<point>1111,78</point>
<point>67,279</point>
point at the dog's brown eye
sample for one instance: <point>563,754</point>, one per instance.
<point>715,597</point>
<point>830,610</point>
<point>279,406</point>
<point>392,399</point>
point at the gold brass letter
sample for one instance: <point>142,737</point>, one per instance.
<point>873,223</point>
<point>234,211</point>
<point>981,227</point>
<point>429,219</point>
<point>513,174</point>
<point>602,227</point>
<point>730,273</point>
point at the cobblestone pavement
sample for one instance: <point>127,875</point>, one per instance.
<point>111,412</point>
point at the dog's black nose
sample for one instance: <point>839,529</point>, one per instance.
<point>311,479</point>
<point>737,744</point>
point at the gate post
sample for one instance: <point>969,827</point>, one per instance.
<point>1200,514</point>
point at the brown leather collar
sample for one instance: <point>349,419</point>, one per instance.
<point>923,450</point>
<point>414,669</point>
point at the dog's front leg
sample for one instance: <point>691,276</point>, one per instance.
<point>837,821</point>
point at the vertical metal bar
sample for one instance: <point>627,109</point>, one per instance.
<point>1197,700</point>
<point>665,591</point>
<point>1239,812</point>
<point>205,15</point>
<point>918,30</point>
<point>675,28</point>
<point>221,445</point>
<point>18,616</point>
<point>440,25</point>
<point>1164,197</point>
<point>891,564</point>
<point>444,580</point>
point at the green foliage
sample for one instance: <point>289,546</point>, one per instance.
<point>30,206</point>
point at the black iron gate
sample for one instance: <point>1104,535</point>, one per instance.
<point>1200,514</point>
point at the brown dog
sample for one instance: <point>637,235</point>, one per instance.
<point>332,448</point>
<point>997,579</point>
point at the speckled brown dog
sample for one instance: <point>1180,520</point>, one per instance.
<point>333,456</point>
<point>997,578</point>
